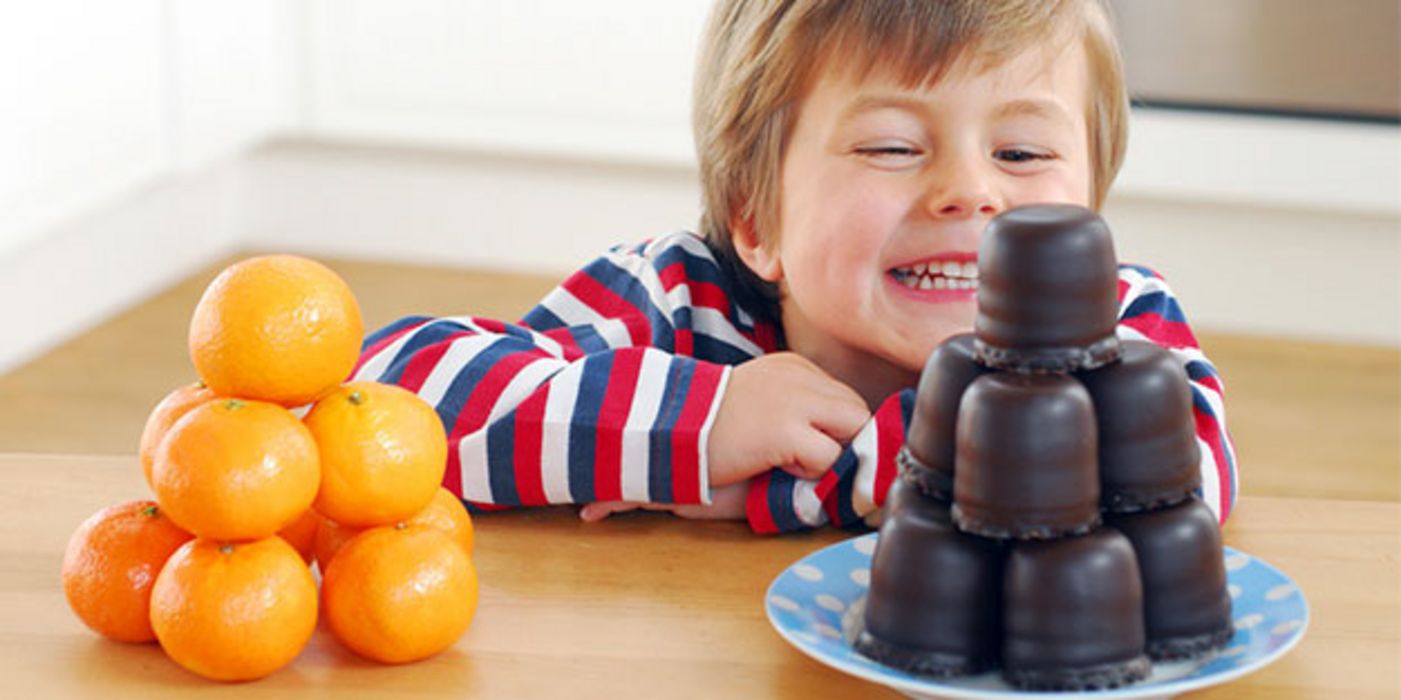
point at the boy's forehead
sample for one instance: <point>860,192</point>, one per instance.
<point>1057,73</point>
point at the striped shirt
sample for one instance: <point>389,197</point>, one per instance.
<point>608,388</point>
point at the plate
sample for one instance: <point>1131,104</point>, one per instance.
<point>815,604</point>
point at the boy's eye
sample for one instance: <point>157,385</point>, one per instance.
<point>1021,155</point>
<point>887,151</point>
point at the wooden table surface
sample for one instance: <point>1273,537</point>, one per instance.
<point>643,605</point>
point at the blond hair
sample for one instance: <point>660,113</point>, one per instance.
<point>759,57</point>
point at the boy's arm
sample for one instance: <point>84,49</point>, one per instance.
<point>1149,311</point>
<point>532,419</point>
<point>850,494</point>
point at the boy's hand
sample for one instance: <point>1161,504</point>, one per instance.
<point>726,503</point>
<point>781,410</point>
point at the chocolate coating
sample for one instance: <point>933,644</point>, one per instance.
<point>1073,612</point>
<point>1026,466</point>
<point>1047,290</point>
<point>1187,608</point>
<point>930,442</point>
<point>1148,454</point>
<point>933,606</point>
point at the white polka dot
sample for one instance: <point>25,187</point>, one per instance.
<point>1237,561</point>
<point>830,602</point>
<point>808,572</point>
<point>1246,622</point>
<point>1234,651</point>
<point>1233,590</point>
<point>781,602</point>
<point>865,545</point>
<point>805,638</point>
<point>1286,627</point>
<point>862,577</point>
<point>826,630</point>
<point>1280,592</point>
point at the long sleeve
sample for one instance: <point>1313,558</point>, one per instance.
<point>606,390</point>
<point>856,487</point>
<point>846,496</point>
<point>1149,311</point>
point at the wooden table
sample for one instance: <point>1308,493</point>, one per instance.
<point>642,605</point>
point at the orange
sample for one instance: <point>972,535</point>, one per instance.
<point>110,563</point>
<point>383,453</point>
<point>330,537</point>
<point>170,409</point>
<point>399,593</point>
<point>236,470</point>
<point>301,534</point>
<point>278,328</point>
<point>445,512</point>
<point>234,611</point>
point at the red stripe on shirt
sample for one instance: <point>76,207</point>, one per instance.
<point>530,417</point>
<point>485,392</point>
<point>756,506</point>
<point>825,486</point>
<point>685,343</point>
<point>422,363</point>
<point>452,476</point>
<point>608,304</point>
<point>1209,430</point>
<point>612,419</point>
<point>1171,334</point>
<point>686,433</point>
<point>673,275</point>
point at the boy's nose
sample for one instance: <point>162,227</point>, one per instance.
<point>960,190</point>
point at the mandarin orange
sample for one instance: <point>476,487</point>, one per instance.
<point>399,593</point>
<point>234,611</point>
<point>330,537</point>
<point>383,453</point>
<point>445,512</point>
<point>110,563</point>
<point>277,328</point>
<point>170,409</point>
<point>236,470</point>
<point>301,534</point>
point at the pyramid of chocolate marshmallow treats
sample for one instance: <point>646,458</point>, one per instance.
<point>1045,520</point>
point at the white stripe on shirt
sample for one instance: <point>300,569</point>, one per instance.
<point>554,434</point>
<point>647,399</point>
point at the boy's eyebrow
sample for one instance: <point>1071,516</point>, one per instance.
<point>872,102</point>
<point>1043,107</point>
<point>1034,107</point>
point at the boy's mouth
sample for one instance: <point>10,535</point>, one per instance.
<point>938,274</point>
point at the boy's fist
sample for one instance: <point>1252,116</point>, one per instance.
<point>781,410</point>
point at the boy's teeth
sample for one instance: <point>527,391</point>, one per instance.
<point>939,275</point>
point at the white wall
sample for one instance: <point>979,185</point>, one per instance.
<point>537,133</point>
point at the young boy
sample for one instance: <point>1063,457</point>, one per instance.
<point>851,152</point>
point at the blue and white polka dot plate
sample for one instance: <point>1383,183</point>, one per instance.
<point>815,604</point>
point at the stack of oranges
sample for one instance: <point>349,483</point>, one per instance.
<point>248,495</point>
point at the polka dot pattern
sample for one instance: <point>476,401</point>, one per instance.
<point>816,604</point>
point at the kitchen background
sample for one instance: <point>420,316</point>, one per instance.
<point>143,140</point>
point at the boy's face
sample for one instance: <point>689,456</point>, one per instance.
<point>886,189</point>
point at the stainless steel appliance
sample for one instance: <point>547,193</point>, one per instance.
<point>1325,58</point>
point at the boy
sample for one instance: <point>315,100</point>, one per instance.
<point>851,152</point>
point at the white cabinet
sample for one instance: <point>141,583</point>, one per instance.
<point>608,80</point>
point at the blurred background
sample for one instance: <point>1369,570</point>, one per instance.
<point>455,156</point>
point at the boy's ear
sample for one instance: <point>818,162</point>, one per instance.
<point>763,260</point>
